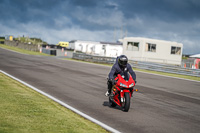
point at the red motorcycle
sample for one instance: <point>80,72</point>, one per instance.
<point>122,91</point>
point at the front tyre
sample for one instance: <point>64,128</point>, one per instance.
<point>127,102</point>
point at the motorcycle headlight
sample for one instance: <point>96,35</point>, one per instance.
<point>122,85</point>
<point>131,85</point>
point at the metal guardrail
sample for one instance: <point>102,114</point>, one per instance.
<point>140,64</point>
<point>91,58</point>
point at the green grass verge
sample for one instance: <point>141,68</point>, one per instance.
<point>30,40</point>
<point>23,110</point>
<point>169,74</point>
<point>148,71</point>
<point>22,50</point>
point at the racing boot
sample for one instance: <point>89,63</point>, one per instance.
<point>109,88</point>
<point>107,93</point>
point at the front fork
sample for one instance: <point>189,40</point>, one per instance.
<point>122,96</point>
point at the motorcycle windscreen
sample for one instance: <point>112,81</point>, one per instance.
<point>125,75</point>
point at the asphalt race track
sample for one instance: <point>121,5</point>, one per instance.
<point>163,104</point>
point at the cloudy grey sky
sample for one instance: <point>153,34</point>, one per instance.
<point>103,20</point>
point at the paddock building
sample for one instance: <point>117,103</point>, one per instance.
<point>152,50</point>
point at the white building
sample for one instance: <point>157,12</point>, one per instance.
<point>152,50</point>
<point>111,49</point>
<point>82,46</point>
<point>97,48</point>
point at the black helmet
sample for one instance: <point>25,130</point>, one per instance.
<point>122,60</point>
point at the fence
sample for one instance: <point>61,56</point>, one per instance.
<point>141,65</point>
<point>49,51</point>
<point>189,63</point>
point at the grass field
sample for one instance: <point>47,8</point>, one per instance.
<point>22,110</point>
<point>34,41</point>
<point>22,50</point>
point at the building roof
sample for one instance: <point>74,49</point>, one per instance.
<point>195,56</point>
<point>112,43</point>
<point>154,40</point>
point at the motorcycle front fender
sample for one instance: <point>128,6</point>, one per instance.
<point>126,91</point>
<point>130,93</point>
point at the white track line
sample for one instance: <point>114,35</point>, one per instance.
<point>64,104</point>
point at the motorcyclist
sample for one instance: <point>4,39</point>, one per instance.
<point>121,66</point>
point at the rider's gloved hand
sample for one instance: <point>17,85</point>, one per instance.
<point>112,81</point>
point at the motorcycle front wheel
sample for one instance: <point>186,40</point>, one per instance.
<point>127,102</point>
